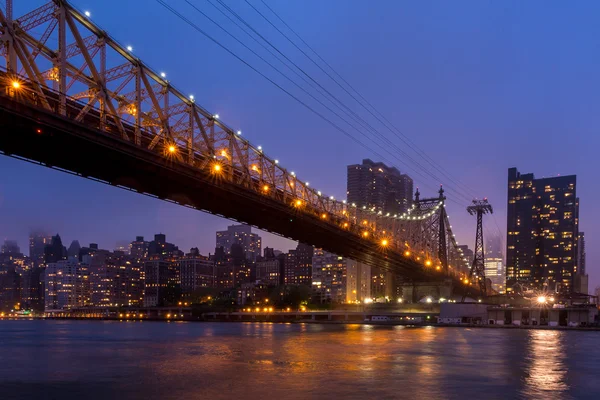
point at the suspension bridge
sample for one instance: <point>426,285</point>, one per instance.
<point>90,107</point>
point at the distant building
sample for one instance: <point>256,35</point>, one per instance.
<point>581,276</point>
<point>375,185</point>
<point>243,236</point>
<point>115,280</point>
<point>196,271</point>
<point>66,285</point>
<point>32,289</point>
<point>467,253</point>
<point>358,281</point>
<point>74,248</point>
<point>496,273</point>
<point>161,248</point>
<point>37,243</point>
<point>158,275</point>
<point>542,232</point>
<point>10,247</point>
<point>10,283</point>
<point>328,277</point>
<point>270,271</point>
<point>139,248</point>
<point>383,284</point>
<point>55,251</point>
<point>297,265</point>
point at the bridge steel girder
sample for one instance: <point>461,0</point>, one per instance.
<point>138,109</point>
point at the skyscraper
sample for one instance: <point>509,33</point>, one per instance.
<point>37,243</point>
<point>242,235</point>
<point>542,232</point>
<point>55,251</point>
<point>374,184</point>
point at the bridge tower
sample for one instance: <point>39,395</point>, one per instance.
<point>442,244</point>
<point>478,208</point>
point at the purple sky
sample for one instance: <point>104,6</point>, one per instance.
<point>480,86</point>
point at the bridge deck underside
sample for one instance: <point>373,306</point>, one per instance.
<point>93,154</point>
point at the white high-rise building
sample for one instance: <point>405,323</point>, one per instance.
<point>496,272</point>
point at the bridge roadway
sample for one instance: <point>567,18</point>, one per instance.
<point>37,135</point>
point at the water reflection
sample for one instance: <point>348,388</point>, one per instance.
<point>92,360</point>
<point>546,371</point>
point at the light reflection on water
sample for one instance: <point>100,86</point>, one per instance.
<point>135,360</point>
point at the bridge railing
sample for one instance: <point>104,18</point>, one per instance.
<point>92,79</point>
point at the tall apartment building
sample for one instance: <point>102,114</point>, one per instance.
<point>358,281</point>
<point>328,277</point>
<point>297,267</point>
<point>542,232</point>
<point>374,184</point>
<point>37,243</point>
<point>195,272</point>
<point>66,285</point>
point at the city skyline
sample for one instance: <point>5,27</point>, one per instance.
<point>259,116</point>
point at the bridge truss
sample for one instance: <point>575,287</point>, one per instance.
<point>88,77</point>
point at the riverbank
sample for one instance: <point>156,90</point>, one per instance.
<point>317,322</point>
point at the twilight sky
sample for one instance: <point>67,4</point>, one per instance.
<point>480,86</point>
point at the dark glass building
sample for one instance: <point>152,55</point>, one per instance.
<point>542,232</point>
<point>374,184</point>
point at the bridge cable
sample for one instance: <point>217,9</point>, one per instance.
<point>347,110</point>
<point>396,131</point>
<point>364,124</point>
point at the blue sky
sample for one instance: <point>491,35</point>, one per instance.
<point>480,86</point>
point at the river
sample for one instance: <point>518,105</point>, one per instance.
<point>53,359</point>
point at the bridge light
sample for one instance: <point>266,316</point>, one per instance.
<point>163,75</point>
<point>88,14</point>
<point>129,48</point>
<point>541,299</point>
<point>192,97</point>
<point>172,149</point>
<point>466,281</point>
<point>293,173</point>
<point>259,148</point>
<point>266,188</point>
<point>276,161</point>
<point>438,267</point>
<point>216,116</point>
<point>384,242</point>
<point>345,224</point>
<point>16,85</point>
<point>324,216</point>
<point>217,167</point>
<point>429,300</point>
<point>254,167</point>
<point>365,234</point>
<point>224,153</point>
<point>400,300</point>
<point>298,203</point>
<point>428,263</point>
<point>551,299</point>
<point>318,192</point>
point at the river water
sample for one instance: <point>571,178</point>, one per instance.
<point>45,359</point>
